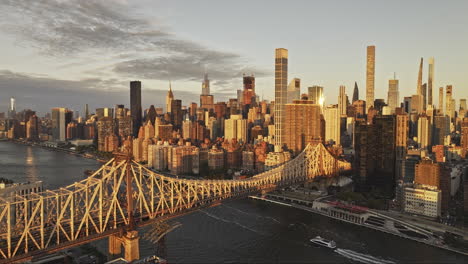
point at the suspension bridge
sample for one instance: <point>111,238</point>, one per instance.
<point>123,195</point>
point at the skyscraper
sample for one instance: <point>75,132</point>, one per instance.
<point>424,132</point>
<point>135,106</point>
<point>417,104</point>
<point>316,95</point>
<point>449,106</point>
<point>281,94</point>
<point>294,90</point>
<point>12,108</point>
<point>464,136</point>
<point>430,82</point>
<point>12,104</point>
<point>355,92</point>
<point>424,95</point>
<point>463,104</point>
<point>32,128</point>
<point>439,130</point>
<point>370,77</point>
<point>462,110</point>
<point>176,113</point>
<point>249,90</point>
<point>206,99</point>
<point>342,101</point>
<point>206,85</point>
<point>105,128</point>
<point>417,100</point>
<point>441,101</point>
<point>86,112</point>
<point>419,85</point>
<point>401,142</point>
<point>58,124</point>
<point>393,97</point>
<point>332,124</point>
<point>169,98</point>
<point>303,125</point>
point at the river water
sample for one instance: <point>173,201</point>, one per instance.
<point>242,231</point>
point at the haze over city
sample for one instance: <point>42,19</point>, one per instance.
<point>89,50</point>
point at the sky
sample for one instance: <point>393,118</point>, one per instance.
<point>66,53</point>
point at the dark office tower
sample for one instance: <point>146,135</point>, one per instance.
<point>135,106</point>
<point>86,112</point>
<point>439,130</point>
<point>359,108</point>
<point>379,104</point>
<point>430,82</point>
<point>407,104</point>
<point>355,93</point>
<point>375,154</point>
<point>151,116</point>
<point>27,114</point>
<point>370,77</point>
<point>176,114</point>
<point>249,90</point>
<point>424,95</point>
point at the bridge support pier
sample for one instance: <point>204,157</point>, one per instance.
<point>130,242</point>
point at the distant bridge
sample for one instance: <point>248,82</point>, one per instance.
<point>124,195</point>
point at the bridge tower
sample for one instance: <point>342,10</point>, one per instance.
<point>128,237</point>
<point>130,241</point>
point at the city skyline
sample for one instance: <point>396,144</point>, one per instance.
<point>41,72</point>
<point>120,117</point>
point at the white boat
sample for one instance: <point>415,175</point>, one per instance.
<point>362,257</point>
<point>323,242</point>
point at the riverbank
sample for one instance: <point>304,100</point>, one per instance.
<point>372,221</point>
<point>58,149</point>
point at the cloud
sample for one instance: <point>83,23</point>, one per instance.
<point>105,29</point>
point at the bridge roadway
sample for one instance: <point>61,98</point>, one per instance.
<point>124,195</point>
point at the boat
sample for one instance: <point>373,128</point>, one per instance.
<point>362,257</point>
<point>323,242</point>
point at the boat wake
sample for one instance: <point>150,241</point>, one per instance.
<point>230,222</point>
<point>256,215</point>
<point>363,258</point>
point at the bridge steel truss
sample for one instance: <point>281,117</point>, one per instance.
<point>123,193</point>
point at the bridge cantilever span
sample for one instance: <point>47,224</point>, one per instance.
<point>123,194</point>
